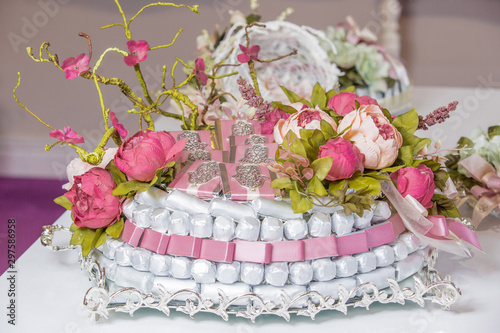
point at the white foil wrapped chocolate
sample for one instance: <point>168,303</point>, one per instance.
<point>108,264</point>
<point>276,273</point>
<point>223,229</point>
<point>180,267</point>
<point>228,208</point>
<point>346,266</point>
<point>377,277</point>
<point>140,259</point>
<point>295,229</point>
<point>400,250</point>
<point>251,273</point>
<point>160,220</point>
<point>275,208</point>
<point>301,273</point>
<point>109,247</point>
<point>248,228</point>
<point>331,288</point>
<point>178,200</point>
<point>411,241</point>
<point>153,196</point>
<point>180,223</point>
<point>128,208</point>
<point>363,222</point>
<point>201,225</point>
<point>123,255</point>
<point>128,276</point>
<point>203,271</point>
<point>324,269</point>
<point>342,224</point>
<point>160,264</point>
<point>271,229</point>
<point>273,294</point>
<point>367,262</point>
<point>384,255</point>
<point>142,216</point>
<point>325,205</point>
<point>228,273</point>
<point>409,266</point>
<point>320,225</point>
<point>211,291</point>
<point>381,212</point>
<point>172,286</point>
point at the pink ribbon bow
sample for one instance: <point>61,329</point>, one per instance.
<point>488,196</point>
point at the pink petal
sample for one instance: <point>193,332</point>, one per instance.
<point>68,63</point>
<point>243,58</point>
<point>254,51</point>
<point>57,134</point>
<point>244,49</point>
<point>177,148</point>
<point>119,127</point>
<point>199,64</point>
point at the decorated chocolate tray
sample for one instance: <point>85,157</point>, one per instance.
<point>283,192</point>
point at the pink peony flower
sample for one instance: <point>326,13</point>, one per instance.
<point>306,118</point>
<point>74,67</point>
<point>78,167</point>
<point>94,205</point>
<point>145,152</point>
<point>248,53</point>
<point>346,158</point>
<point>137,52</point>
<point>199,71</point>
<point>374,136</point>
<point>344,102</point>
<point>119,127</point>
<point>68,135</point>
<point>417,182</point>
<point>271,118</point>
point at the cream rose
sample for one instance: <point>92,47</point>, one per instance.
<point>374,136</point>
<point>304,119</point>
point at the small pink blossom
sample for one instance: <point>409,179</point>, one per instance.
<point>74,67</point>
<point>199,71</point>
<point>119,127</point>
<point>138,51</point>
<point>345,102</point>
<point>347,159</point>
<point>271,118</point>
<point>248,53</point>
<point>417,182</point>
<point>68,135</point>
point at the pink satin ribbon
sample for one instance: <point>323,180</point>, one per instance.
<point>488,196</point>
<point>443,226</point>
<point>261,252</point>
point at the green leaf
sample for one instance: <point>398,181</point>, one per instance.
<point>315,186</point>
<point>63,201</point>
<point>377,176</point>
<point>327,130</point>
<point>306,133</point>
<point>464,142</point>
<point>387,114</point>
<point>317,140</point>
<point>392,168</point>
<point>252,18</point>
<point>283,107</point>
<point>330,94</point>
<point>292,97</point>
<point>131,186</point>
<point>101,240</point>
<point>493,131</point>
<point>406,122</point>
<point>348,89</point>
<point>406,155</point>
<point>88,241</point>
<point>421,144</point>
<point>115,229</point>
<point>335,186</point>
<point>365,185</point>
<point>284,183</point>
<point>297,147</point>
<point>73,227</point>
<point>318,96</point>
<point>300,204</point>
<point>77,237</point>
<point>118,176</point>
<point>322,166</point>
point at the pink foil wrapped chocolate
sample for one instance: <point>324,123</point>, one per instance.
<point>243,182</point>
<point>253,154</point>
<point>201,179</point>
<point>196,140</point>
<point>252,139</point>
<point>227,128</point>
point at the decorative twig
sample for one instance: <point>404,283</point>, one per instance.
<point>82,34</point>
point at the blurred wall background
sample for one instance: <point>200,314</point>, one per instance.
<point>444,43</point>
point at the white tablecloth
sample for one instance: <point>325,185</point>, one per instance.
<point>50,285</point>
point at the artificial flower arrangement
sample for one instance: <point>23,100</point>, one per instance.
<point>475,172</point>
<point>331,149</point>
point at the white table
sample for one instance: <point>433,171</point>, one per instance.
<point>50,286</point>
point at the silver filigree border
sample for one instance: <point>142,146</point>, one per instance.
<point>428,285</point>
